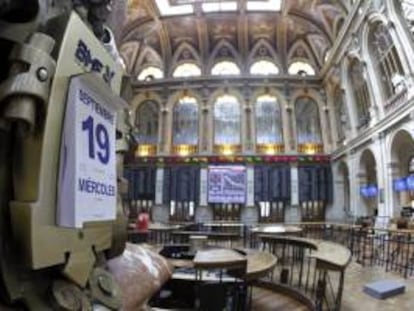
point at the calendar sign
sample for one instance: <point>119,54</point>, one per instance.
<point>87,176</point>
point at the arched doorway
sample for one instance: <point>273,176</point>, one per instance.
<point>368,184</point>
<point>402,152</point>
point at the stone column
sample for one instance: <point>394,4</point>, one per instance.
<point>204,129</point>
<point>250,186</point>
<point>288,132</point>
<point>203,186</point>
<point>248,131</point>
<point>291,137</point>
<point>293,212</point>
<point>354,183</point>
<point>163,139</point>
<point>160,212</point>
<point>382,177</point>
<point>391,202</point>
<point>203,212</point>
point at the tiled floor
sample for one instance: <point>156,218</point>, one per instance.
<point>354,299</point>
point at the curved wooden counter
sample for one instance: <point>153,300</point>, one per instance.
<point>276,229</point>
<point>259,263</point>
<point>328,252</point>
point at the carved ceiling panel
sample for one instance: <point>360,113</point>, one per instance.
<point>157,24</point>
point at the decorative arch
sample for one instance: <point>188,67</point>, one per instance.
<point>402,152</point>
<point>224,51</point>
<point>147,122</point>
<point>148,57</point>
<point>368,182</point>
<point>129,52</point>
<point>343,186</point>
<point>402,15</point>
<point>185,53</point>
<point>263,50</point>
<point>138,99</point>
<point>384,59</point>
<point>319,46</point>
<point>300,51</point>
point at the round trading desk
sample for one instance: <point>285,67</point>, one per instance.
<point>259,264</point>
<point>277,230</point>
<point>158,233</point>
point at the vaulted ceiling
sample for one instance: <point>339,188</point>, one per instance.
<point>301,29</point>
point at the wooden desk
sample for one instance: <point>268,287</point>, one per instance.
<point>334,254</point>
<point>184,236</point>
<point>217,258</point>
<point>259,264</point>
<point>276,229</point>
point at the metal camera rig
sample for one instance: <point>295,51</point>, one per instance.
<point>43,265</point>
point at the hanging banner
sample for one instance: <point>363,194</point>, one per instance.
<point>227,184</point>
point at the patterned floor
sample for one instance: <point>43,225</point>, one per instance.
<point>354,299</point>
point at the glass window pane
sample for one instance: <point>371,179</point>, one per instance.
<point>307,121</point>
<point>386,59</point>
<point>268,121</point>
<point>264,5</point>
<point>298,68</point>
<point>221,6</point>
<point>225,68</point>
<point>150,73</point>
<point>185,122</point>
<point>167,9</point>
<point>264,67</point>
<point>227,120</point>
<point>187,70</point>
<point>146,121</point>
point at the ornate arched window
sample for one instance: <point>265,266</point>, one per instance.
<point>360,91</point>
<point>146,122</point>
<point>269,134</point>
<point>300,67</point>
<point>386,60</point>
<point>224,68</point>
<point>341,113</point>
<point>187,70</point>
<point>407,12</point>
<point>150,73</point>
<point>185,124</point>
<point>264,67</point>
<point>227,115</point>
<point>308,129</point>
